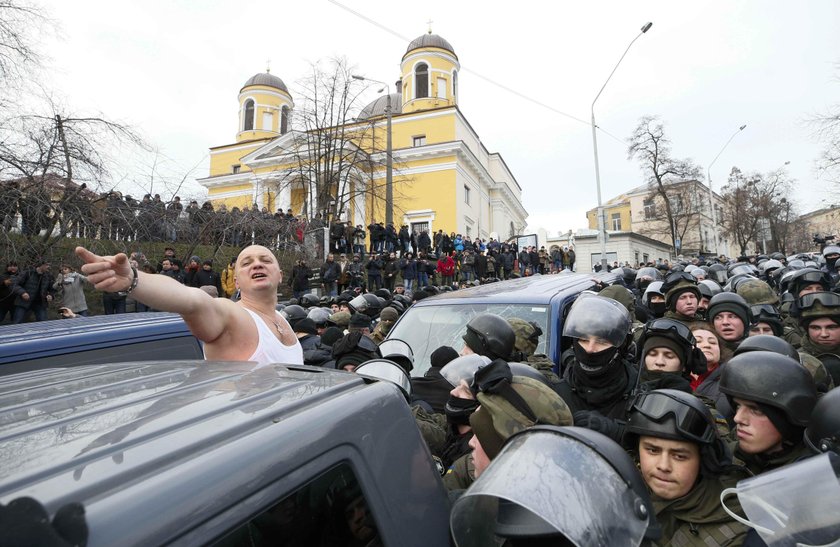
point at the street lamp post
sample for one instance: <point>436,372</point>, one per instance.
<point>389,160</point>
<point>602,232</point>
<point>711,194</point>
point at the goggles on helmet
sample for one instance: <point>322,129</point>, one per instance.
<point>690,422</point>
<point>764,310</point>
<point>826,299</point>
<point>667,326</point>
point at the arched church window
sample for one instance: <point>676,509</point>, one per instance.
<point>421,81</point>
<point>455,85</point>
<point>248,123</point>
<point>284,120</point>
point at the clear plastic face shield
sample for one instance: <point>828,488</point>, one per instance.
<point>565,488</point>
<point>359,304</point>
<point>463,368</point>
<point>796,505</point>
<point>388,371</point>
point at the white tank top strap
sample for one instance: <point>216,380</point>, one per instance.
<point>270,349</point>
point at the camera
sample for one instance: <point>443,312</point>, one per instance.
<point>822,241</point>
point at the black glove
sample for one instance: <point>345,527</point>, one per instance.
<point>488,378</point>
<point>594,420</point>
<point>25,522</point>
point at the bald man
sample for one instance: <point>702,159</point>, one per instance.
<point>247,330</point>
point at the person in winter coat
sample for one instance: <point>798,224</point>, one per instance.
<point>70,284</point>
<point>330,271</point>
<point>390,270</point>
<point>524,261</point>
<point>7,297</point>
<point>374,267</point>
<point>424,242</point>
<point>206,276</point>
<point>507,259</point>
<point>229,279</point>
<point>458,243</point>
<point>446,269</point>
<point>34,291</point>
<point>190,271</point>
<point>408,268</point>
<point>299,280</point>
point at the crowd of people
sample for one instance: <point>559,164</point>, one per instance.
<point>676,383</point>
<point>684,379</point>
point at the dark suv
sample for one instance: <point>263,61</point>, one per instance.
<point>222,453</point>
<point>100,339</point>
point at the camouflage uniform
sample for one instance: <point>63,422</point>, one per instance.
<point>460,474</point>
<point>387,318</point>
<point>431,429</point>
<point>697,519</point>
<point>526,344</point>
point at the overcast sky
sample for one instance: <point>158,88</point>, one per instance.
<point>173,69</point>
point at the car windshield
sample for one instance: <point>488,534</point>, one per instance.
<point>426,328</point>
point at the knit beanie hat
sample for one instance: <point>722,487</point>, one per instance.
<point>389,314</point>
<point>360,321</point>
<point>331,335</point>
<point>441,356</point>
<point>306,326</point>
<point>664,342</point>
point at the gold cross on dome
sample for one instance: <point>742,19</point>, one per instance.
<point>268,65</point>
<point>429,22</point>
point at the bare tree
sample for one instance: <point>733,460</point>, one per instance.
<point>332,155</point>
<point>742,209</point>
<point>676,210</point>
<point>826,126</point>
<point>21,25</point>
<point>758,210</point>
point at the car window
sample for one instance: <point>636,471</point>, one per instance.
<point>181,347</point>
<point>330,511</point>
<point>426,328</point>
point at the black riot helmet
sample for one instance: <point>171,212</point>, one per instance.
<point>490,335</point>
<point>676,415</point>
<point>367,304</point>
<point>512,501</point>
<point>807,276</point>
<point>717,272</point>
<point>319,316</point>
<point>766,342</point>
<point>823,433</point>
<point>771,379</point>
<point>293,314</point>
<point>383,293</point>
<point>309,300</point>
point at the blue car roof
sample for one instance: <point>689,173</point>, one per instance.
<point>537,289</point>
<point>45,338</point>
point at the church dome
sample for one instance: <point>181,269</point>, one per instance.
<point>377,107</point>
<point>266,79</point>
<point>430,40</point>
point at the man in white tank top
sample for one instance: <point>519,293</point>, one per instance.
<point>248,330</point>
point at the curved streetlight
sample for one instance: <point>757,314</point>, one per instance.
<point>389,161</point>
<point>711,199</point>
<point>602,231</point>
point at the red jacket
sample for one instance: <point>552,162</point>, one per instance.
<point>446,266</point>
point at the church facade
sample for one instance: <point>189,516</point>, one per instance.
<point>444,177</point>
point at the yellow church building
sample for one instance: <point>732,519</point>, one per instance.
<point>443,178</point>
